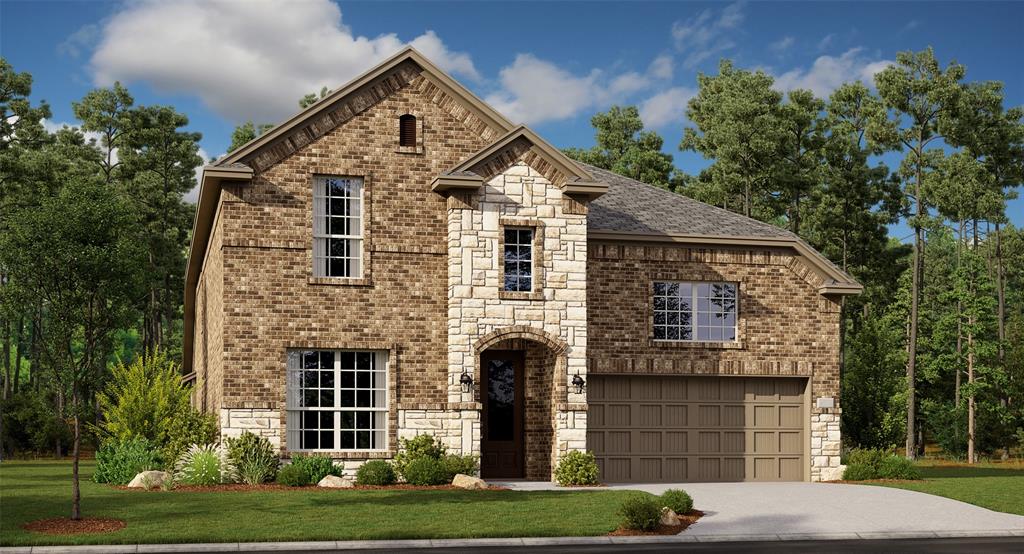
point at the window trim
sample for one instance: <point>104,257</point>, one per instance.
<point>536,256</point>
<point>379,357</point>
<point>362,237</point>
<point>736,342</point>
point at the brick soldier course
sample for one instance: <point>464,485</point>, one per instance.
<point>431,293</point>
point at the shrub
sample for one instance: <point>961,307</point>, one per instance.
<point>426,471</point>
<point>576,468</point>
<point>30,424</point>
<point>143,397</point>
<point>640,512</point>
<point>898,467</point>
<point>455,464</point>
<point>317,466</point>
<point>186,428</point>
<point>859,472</point>
<point>677,500</point>
<point>254,457</point>
<point>376,472</point>
<point>871,457</point>
<point>293,476</point>
<point>118,462</point>
<point>204,465</point>
<point>420,446</point>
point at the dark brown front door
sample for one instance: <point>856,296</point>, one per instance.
<point>501,450</point>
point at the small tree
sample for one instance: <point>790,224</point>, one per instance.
<point>76,252</point>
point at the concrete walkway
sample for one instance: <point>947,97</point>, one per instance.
<point>822,509</point>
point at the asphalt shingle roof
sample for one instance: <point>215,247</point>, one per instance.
<point>632,206</point>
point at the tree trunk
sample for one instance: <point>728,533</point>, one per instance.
<point>959,321</point>
<point>970,397</point>
<point>17,353</point>
<point>58,447</point>
<point>915,302</point>
<point>7,359</point>
<point>76,493</point>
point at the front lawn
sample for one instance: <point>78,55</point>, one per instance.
<point>40,489</point>
<point>998,487</point>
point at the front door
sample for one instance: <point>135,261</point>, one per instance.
<point>501,448</point>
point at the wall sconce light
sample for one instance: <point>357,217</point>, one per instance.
<point>579,383</point>
<point>466,380</point>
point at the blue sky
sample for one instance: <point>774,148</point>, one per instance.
<point>549,64</point>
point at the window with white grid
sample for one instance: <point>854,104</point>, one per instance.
<point>698,311</point>
<point>518,262</point>
<point>337,400</point>
<point>337,226</point>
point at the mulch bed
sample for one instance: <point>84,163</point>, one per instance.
<point>685,520</point>
<point>68,526</point>
<point>241,487</point>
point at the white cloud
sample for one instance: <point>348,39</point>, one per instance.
<point>666,108</point>
<point>826,41</point>
<point>247,60</point>
<point>533,90</point>
<point>661,67</point>
<point>828,72</point>
<point>705,34</point>
<point>911,25</point>
<point>783,44</point>
<point>82,39</point>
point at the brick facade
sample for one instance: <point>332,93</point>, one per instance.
<point>430,294</point>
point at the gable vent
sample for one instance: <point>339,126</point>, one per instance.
<point>407,130</point>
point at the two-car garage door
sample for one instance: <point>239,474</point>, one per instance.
<point>674,428</point>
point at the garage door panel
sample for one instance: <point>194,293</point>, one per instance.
<point>683,428</point>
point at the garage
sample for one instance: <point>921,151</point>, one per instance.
<point>696,429</point>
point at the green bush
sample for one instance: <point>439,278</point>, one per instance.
<point>188,427</point>
<point>204,465</point>
<point>426,471</point>
<point>898,467</point>
<point>254,458</point>
<point>677,500</point>
<point>118,462</point>
<point>293,476</point>
<point>420,446</point>
<point>859,472</point>
<point>640,512</point>
<point>576,468</point>
<point>317,466</point>
<point>455,464</point>
<point>871,457</point>
<point>30,424</point>
<point>376,472</point>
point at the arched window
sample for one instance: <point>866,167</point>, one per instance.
<point>407,130</point>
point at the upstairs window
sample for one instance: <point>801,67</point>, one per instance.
<point>407,130</point>
<point>518,272</point>
<point>701,311</point>
<point>337,226</point>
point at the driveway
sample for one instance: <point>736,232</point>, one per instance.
<point>733,509</point>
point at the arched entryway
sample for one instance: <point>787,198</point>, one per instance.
<point>521,375</point>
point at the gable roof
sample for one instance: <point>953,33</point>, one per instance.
<point>636,211</point>
<point>577,179</point>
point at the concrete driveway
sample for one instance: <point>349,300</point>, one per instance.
<point>821,509</point>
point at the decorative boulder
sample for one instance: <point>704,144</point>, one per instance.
<point>150,480</point>
<point>668,517</point>
<point>468,482</point>
<point>334,482</point>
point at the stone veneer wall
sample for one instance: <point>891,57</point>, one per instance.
<point>519,194</point>
<point>786,328</point>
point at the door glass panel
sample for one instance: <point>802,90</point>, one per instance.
<point>501,394</point>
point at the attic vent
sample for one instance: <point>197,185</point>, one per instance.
<point>407,130</point>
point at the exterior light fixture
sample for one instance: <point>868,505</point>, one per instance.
<point>578,382</point>
<point>466,381</point>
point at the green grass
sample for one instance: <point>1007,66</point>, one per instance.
<point>40,489</point>
<point>998,487</point>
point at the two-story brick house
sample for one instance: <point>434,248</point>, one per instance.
<point>399,258</point>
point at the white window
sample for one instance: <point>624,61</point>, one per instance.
<point>702,311</point>
<point>518,274</point>
<point>337,400</point>
<point>337,226</point>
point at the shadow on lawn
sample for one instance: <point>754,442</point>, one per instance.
<point>946,472</point>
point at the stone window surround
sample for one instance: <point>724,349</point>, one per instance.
<point>394,356</point>
<point>367,210</point>
<point>418,149</point>
<point>692,276</point>
<point>537,293</point>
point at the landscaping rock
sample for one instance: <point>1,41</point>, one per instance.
<point>334,482</point>
<point>469,482</point>
<point>150,479</point>
<point>668,517</point>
